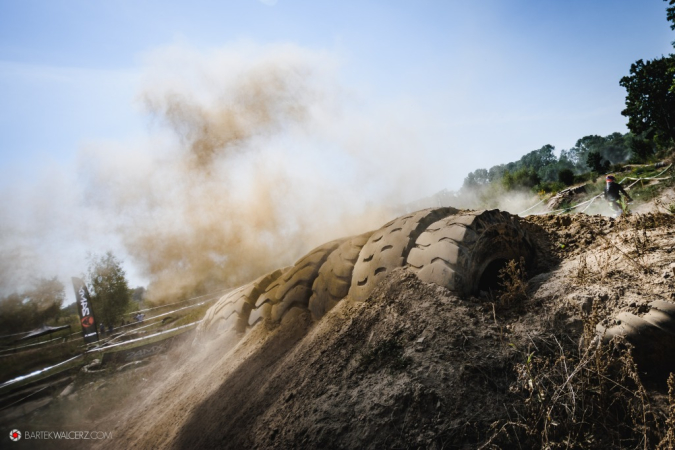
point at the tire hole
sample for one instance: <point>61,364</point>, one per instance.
<point>489,279</point>
<point>380,270</point>
<point>387,247</point>
<point>362,282</point>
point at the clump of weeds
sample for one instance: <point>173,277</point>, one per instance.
<point>513,284</point>
<point>587,396</point>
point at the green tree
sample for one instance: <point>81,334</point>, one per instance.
<point>615,148</point>
<point>642,150</point>
<point>496,172</point>
<point>15,317</point>
<point>33,308</point>
<point>566,176</point>
<point>524,178</point>
<point>109,288</point>
<point>477,178</point>
<point>596,163</point>
<point>650,101</point>
<point>138,294</point>
<point>45,299</point>
<point>670,14</point>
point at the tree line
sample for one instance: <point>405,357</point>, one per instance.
<point>42,303</point>
<point>542,170</point>
<point>650,109</point>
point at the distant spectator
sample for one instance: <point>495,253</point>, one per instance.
<point>102,328</point>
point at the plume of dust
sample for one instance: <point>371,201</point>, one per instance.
<point>493,197</point>
<point>231,198</point>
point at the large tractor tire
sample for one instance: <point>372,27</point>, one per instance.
<point>335,276</point>
<point>652,335</point>
<point>230,313</point>
<point>388,248</point>
<point>294,288</point>
<point>465,252</point>
<point>461,252</point>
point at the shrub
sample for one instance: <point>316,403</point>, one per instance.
<point>566,176</point>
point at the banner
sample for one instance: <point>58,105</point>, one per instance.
<point>89,329</point>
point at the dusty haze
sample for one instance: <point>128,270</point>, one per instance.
<point>253,156</point>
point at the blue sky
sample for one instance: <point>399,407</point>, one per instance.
<point>68,68</point>
<point>452,85</point>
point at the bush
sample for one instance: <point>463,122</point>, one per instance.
<point>583,178</point>
<point>521,178</point>
<point>641,150</point>
<point>566,176</point>
<point>595,161</point>
<point>513,284</point>
<point>551,186</point>
<point>617,168</point>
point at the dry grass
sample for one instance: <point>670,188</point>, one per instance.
<point>597,272</point>
<point>668,441</point>
<point>591,400</point>
<point>513,283</point>
<point>588,396</point>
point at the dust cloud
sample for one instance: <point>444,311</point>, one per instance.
<point>254,155</point>
<point>235,182</point>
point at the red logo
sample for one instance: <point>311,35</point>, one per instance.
<point>15,435</point>
<point>87,321</point>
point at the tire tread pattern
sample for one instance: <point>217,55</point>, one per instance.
<point>231,311</point>
<point>335,275</point>
<point>388,249</point>
<point>454,251</point>
<point>294,287</point>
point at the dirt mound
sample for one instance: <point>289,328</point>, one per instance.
<point>417,366</point>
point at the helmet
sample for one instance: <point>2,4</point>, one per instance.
<point>610,178</point>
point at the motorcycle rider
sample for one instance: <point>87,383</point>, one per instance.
<point>613,191</point>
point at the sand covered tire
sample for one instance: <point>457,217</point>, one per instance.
<point>464,252</point>
<point>294,287</point>
<point>230,313</point>
<point>335,276</point>
<point>388,248</point>
<point>652,335</point>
